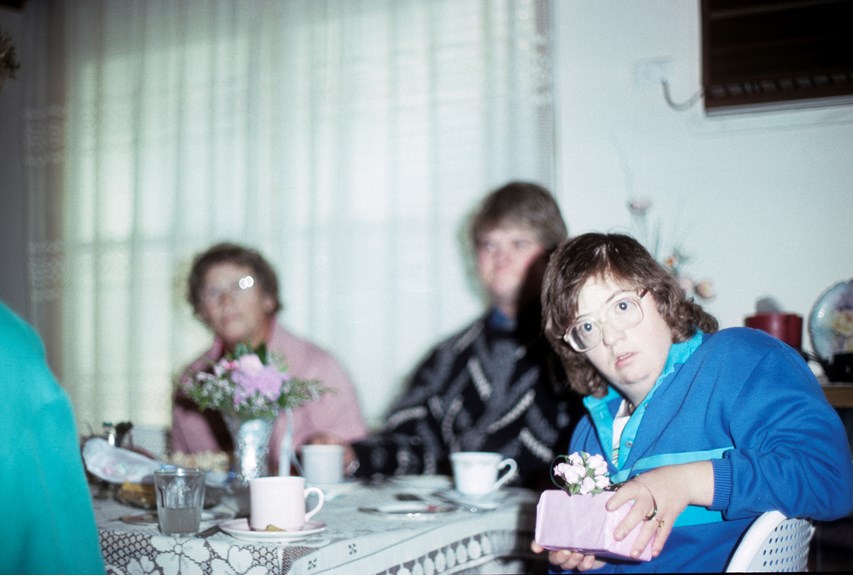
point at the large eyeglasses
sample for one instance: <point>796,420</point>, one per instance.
<point>237,290</point>
<point>622,311</point>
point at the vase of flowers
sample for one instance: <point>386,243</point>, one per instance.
<point>249,387</point>
<point>251,445</point>
<point>667,251</point>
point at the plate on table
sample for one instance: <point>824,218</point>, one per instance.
<point>143,496</point>
<point>424,482</point>
<point>831,321</point>
<point>137,495</point>
<point>411,510</point>
<point>239,529</point>
<point>485,502</point>
<point>151,517</point>
<point>331,491</point>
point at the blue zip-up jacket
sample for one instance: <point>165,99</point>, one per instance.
<point>748,403</point>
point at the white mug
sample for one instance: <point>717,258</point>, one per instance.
<point>323,463</point>
<point>279,501</point>
<point>481,473</point>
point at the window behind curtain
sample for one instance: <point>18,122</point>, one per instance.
<point>346,140</point>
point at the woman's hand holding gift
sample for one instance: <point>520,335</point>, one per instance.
<point>659,497</point>
<point>569,559</point>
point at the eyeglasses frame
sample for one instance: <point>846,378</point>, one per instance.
<point>640,294</point>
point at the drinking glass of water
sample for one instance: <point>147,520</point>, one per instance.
<point>180,499</point>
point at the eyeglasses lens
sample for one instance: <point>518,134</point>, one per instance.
<point>213,294</point>
<point>622,314</point>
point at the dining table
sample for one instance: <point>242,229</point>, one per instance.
<point>404,525</point>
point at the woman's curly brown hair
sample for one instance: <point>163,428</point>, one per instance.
<point>623,259</point>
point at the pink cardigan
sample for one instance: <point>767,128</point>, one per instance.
<point>337,412</point>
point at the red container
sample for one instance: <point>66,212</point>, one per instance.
<point>786,327</point>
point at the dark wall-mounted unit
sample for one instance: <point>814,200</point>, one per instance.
<point>761,54</point>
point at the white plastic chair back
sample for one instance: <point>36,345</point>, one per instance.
<point>774,543</point>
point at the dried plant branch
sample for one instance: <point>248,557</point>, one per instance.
<point>8,60</point>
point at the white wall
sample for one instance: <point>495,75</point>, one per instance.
<point>765,199</point>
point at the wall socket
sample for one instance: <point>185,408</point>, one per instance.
<point>652,72</point>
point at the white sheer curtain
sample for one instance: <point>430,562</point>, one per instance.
<point>346,139</point>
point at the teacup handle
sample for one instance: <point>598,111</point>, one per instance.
<point>320,500</point>
<point>511,467</point>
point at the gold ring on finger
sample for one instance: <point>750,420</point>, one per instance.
<point>651,514</point>
<point>661,522</point>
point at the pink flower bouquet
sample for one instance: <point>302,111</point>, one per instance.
<point>249,384</point>
<point>576,518</point>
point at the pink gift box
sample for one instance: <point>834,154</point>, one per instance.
<point>580,522</point>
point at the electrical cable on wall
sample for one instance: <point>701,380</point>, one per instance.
<point>680,107</point>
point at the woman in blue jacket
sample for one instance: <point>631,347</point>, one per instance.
<point>707,429</point>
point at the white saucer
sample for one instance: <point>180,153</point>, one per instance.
<point>488,501</point>
<point>411,510</point>
<point>331,491</point>
<point>151,517</point>
<point>239,529</point>
<point>424,482</point>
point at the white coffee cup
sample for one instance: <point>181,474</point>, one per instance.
<point>280,501</point>
<point>481,473</point>
<point>323,463</point>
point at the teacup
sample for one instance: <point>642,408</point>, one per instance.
<point>278,502</point>
<point>323,463</point>
<point>481,473</point>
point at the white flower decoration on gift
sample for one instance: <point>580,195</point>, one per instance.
<point>581,473</point>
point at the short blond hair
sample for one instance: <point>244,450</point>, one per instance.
<point>524,204</point>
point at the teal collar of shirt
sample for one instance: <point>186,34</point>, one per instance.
<point>602,410</point>
<point>678,354</point>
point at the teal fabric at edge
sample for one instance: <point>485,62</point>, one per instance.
<point>49,523</point>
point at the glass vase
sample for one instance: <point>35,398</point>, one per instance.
<point>251,447</point>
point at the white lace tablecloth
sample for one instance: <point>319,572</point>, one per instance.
<point>354,542</point>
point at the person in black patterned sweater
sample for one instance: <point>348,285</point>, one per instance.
<point>496,385</point>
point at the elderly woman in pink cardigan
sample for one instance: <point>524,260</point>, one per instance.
<point>241,311</point>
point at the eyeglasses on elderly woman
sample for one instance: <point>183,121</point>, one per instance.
<point>211,295</point>
<point>622,311</point>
